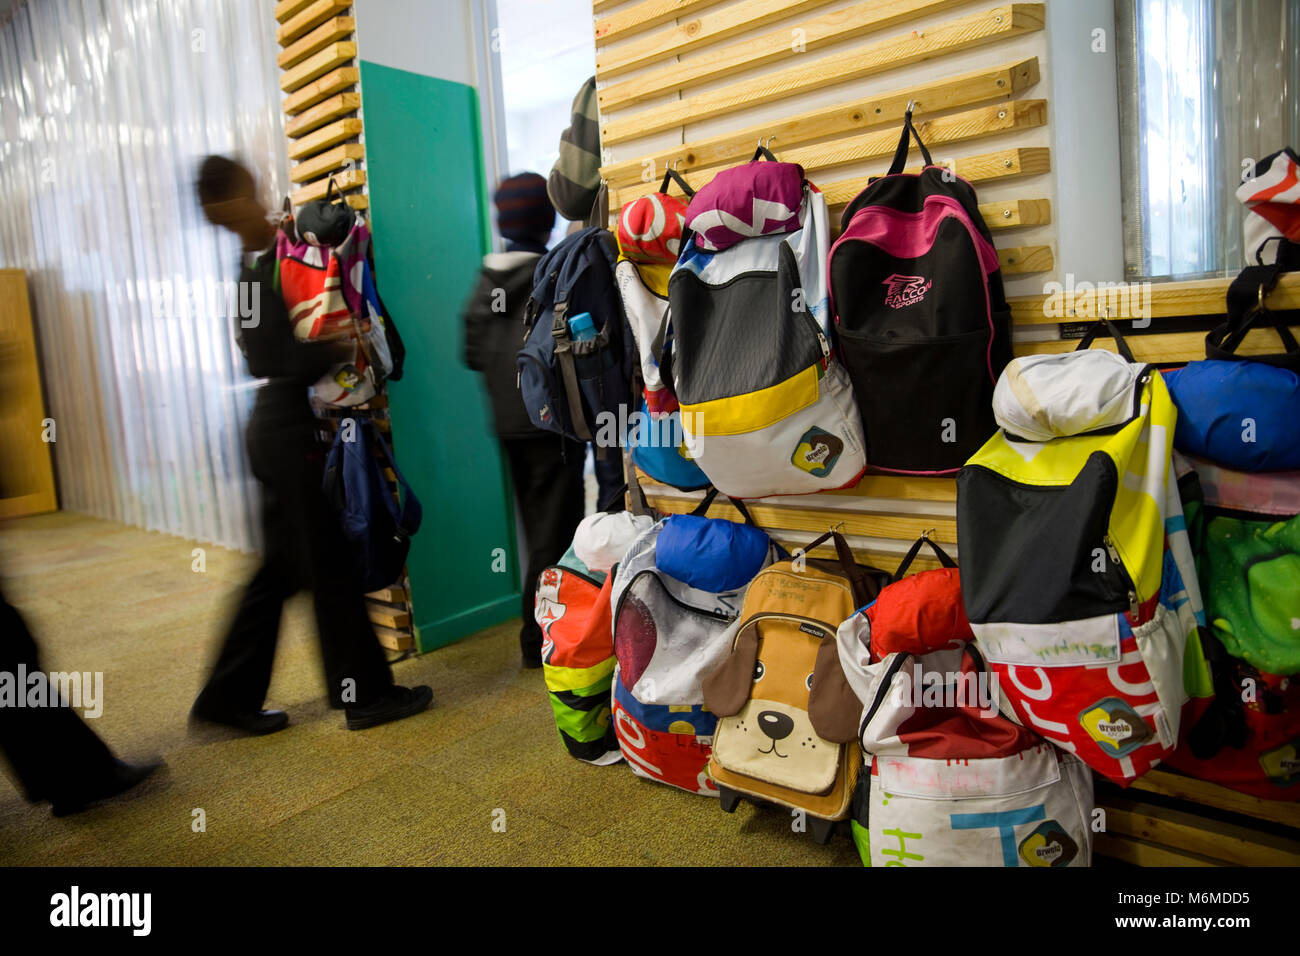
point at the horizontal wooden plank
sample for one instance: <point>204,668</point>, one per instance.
<point>340,28</point>
<point>345,78</point>
<point>397,620</point>
<point>1167,347</point>
<point>348,179</point>
<point>327,162</point>
<point>998,216</point>
<point>394,640</point>
<point>1163,299</point>
<point>685,36</point>
<point>315,13</point>
<point>1022,260</point>
<point>325,137</point>
<point>870,485</point>
<point>392,595</point>
<point>966,33</point>
<point>1171,784</point>
<point>1003,164</point>
<point>322,113</point>
<point>1233,844</point>
<point>318,64</point>
<point>766,50</point>
<point>906,527</point>
<point>1014,213</point>
<point>1142,853</point>
<point>936,131</point>
<point>644,16</point>
<point>286,9</point>
<point>885,110</point>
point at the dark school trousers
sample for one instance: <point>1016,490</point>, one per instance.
<point>54,754</point>
<point>303,547</point>
<point>547,475</point>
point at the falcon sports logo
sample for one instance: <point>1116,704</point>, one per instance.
<point>903,291</point>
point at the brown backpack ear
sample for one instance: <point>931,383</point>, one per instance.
<point>727,688</point>
<point>833,708</point>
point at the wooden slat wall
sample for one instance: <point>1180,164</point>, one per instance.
<point>828,82</point>
<point>323,123</point>
<point>697,83</point>
<point>322,104</point>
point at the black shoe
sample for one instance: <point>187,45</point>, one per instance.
<point>121,778</point>
<point>255,723</point>
<point>396,703</point>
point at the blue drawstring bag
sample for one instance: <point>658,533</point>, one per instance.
<point>1242,415</point>
<point>711,554</point>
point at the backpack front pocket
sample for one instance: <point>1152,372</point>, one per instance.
<point>948,413</point>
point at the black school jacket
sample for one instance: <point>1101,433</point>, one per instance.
<point>493,338</point>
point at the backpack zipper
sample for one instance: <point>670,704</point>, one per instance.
<point>1113,551</point>
<point>716,615</point>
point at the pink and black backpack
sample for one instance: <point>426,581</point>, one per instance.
<point>924,327</point>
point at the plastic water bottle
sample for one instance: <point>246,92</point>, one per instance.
<point>581,327</point>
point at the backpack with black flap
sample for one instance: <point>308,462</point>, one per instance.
<point>923,323</point>
<point>577,388</point>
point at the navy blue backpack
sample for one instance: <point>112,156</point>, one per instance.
<point>377,528</point>
<point>570,387</point>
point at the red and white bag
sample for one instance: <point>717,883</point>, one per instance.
<point>951,781</point>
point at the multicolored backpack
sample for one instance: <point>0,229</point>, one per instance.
<point>675,596</point>
<point>1078,577</point>
<point>766,408</point>
<point>947,770</point>
<point>572,607</point>
<point>329,291</point>
<point>1245,528</point>
<point>651,230</point>
<point>924,327</point>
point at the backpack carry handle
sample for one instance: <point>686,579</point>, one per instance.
<point>863,587</point>
<point>912,552</point>
<point>702,509</point>
<point>1245,302</point>
<point>909,133</point>
<point>763,153</point>
<point>1110,328</point>
<point>671,175</point>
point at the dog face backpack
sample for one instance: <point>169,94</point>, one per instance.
<point>328,291</point>
<point>765,407</point>
<point>1078,576</point>
<point>1245,529</point>
<point>651,230</point>
<point>924,327</point>
<point>572,608</point>
<point>787,718</point>
<point>944,771</point>
<point>677,591</point>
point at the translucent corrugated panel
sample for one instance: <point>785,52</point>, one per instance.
<point>106,107</point>
<point>1206,88</point>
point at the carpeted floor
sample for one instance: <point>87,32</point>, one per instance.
<point>105,597</point>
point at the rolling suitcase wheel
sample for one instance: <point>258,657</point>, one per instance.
<point>729,799</point>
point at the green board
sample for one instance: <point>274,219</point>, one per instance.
<point>429,212</point>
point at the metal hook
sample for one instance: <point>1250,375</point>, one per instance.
<point>836,526</point>
<point>911,105</point>
<point>927,532</point>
